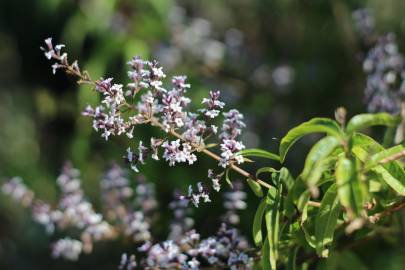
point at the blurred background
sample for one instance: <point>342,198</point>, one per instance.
<point>279,62</point>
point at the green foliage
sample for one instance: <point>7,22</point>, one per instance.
<point>258,153</point>
<point>319,125</point>
<point>343,173</point>
<point>361,121</point>
<point>326,220</point>
<point>256,187</point>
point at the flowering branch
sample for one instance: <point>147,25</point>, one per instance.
<point>234,167</point>
<point>161,108</point>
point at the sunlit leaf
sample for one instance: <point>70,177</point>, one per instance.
<point>272,217</point>
<point>323,125</point>
<point>326,221</point>
<point>350,192</point>
<point>266,255</point>
<point>258,153</point>
<point>255,187</point>
<point>366,120</point>
<point>257,223</point>
<point>265,170</point>
<point>387,154</point>
<point>392,173</point>
<point>314,168</point>
<point>286,178</point>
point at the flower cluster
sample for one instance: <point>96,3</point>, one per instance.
<point>67,248</point>
<point>234,200</point>
<point>127,263</point>
<point>215,178</point>
<point>383,64</point>
<point>128,212</point>
<point>231,129</point>
<point>118,195</point>
<point>213,105</point>
<point>174,152</point>
<point>18,191</point>
<point>145,199</point>
<point>52,52</point>
<point>149,102</point>
<point>385,69</point>
<point>107,117</point>
<point>196,196</point>
<point>73,210</point>
<point>226,249</point>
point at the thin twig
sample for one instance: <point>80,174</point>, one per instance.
<point>387,212</point>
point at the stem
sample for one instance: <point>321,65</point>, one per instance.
<point>387,212</point>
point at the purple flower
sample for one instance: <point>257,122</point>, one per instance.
<point>176,153</point>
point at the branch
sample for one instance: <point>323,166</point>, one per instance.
<point>387,212</point>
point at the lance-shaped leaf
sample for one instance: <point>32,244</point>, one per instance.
<point>272,217</point>
<point>310,239</point>
<point>292,257</point>
<point>258,153</point>
<point>326,220</point>
<point>385,156</point>
<point>255,187</point>
<point>257,223</point>
<point>367,120</point>
<point>323,125</point>
<point>266,255</point>
<point>265,170</point>
<point>350,191</point>
<point>314,163</point>
<point>288,180</point>
<point>392,173</point>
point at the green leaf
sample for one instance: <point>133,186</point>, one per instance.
<point>314,163</point>
<point>286,178</point>
<point>256,187</point>
<point>258,153</point>
<point>384,154</point>
<point>257,223</point>
<point>272,217</point>
<point>289,182</point>
<point>326,221</point>
<point>344,173</point>
<point>350,191</point>
<point>324,125</point>
<point>366,120</point>
<point>392,173</point>
<point>388,172</point>
<point>265,170</point>
<point>291,264</point>
<point>266,255</point>
<point>389,136</point>
<point>308,237</point>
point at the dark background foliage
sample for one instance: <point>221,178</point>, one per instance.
<point>278,62</point>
